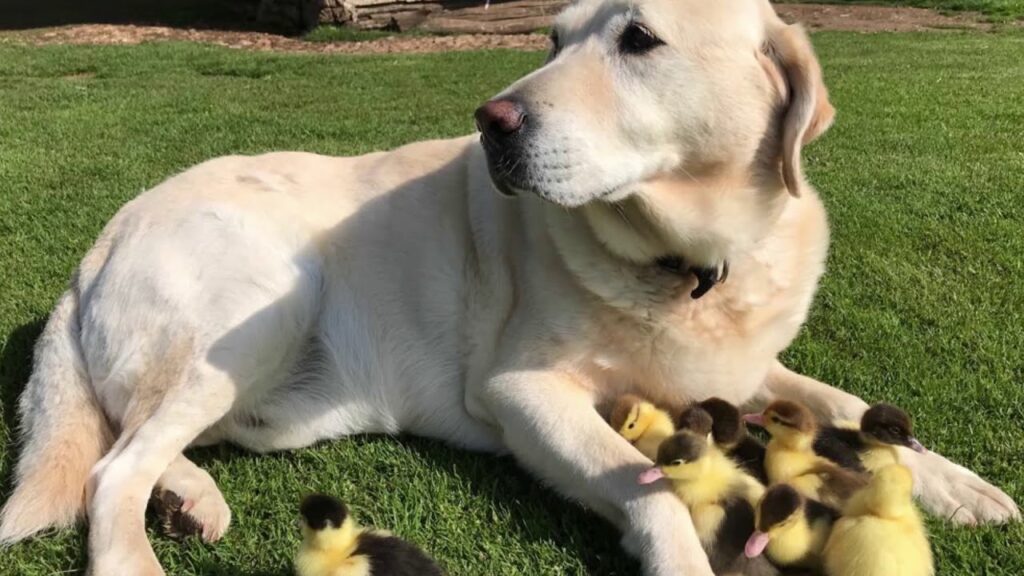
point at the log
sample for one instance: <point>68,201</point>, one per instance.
<point>444,24</point>
<point>444,16</point>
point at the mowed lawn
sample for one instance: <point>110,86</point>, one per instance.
<point>923,304</point>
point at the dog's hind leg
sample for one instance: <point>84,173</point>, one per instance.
<point>943,487</point>
<point>196,396</point>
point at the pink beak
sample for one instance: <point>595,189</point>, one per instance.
<point>650,476</point>
<point>917,446</point>
<point>755,419</point>
<point>756,544</point>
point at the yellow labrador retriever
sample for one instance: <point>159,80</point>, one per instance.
<point>490,291</point>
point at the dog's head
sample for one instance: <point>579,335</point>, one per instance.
<point>637,92</point>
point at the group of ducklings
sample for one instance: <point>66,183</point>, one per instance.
<point>816,499</point>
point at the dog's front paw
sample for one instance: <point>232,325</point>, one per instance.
<point>662,536</point>
<point>949,490</point>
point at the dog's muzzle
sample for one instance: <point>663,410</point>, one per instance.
<point>504,125</point>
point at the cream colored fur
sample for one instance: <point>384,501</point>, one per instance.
<point>278,300</point>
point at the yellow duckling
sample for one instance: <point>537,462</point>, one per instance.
<point>645,425</point>
<point>790,457</point>
<point>334,545</point>
<point>880,532</point>
<point>791,530</point>
<point>871,446</point>
<point>719,495</point>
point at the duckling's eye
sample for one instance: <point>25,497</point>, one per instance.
<point>632,425</point>
<point>638,39</point>
<point>677,463</point>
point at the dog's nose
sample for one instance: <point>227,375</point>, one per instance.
<point>500,118</point>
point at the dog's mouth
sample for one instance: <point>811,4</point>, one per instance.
<point>512,171</point>
<point>507,167</point>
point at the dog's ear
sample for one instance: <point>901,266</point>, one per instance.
<point>807,111</point>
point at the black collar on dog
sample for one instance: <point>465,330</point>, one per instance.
<point>707,277</point>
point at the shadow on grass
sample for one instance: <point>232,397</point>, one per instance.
<point>217,14</point>
<point>500,479</point>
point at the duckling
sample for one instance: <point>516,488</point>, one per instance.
<point>719,495</point>
<point>880,532</point>
<point>872,446</point>
<point>642,423</point>
<point>790,457</point>
<point>334,545</point>
<point>731,437</point>
<point>791,530</point>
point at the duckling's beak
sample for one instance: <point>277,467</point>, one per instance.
<point>756,544</point>
<point>650,476</point>
<point>755,419</point>
<point>916,446</point>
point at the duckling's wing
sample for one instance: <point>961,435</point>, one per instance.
<point>838,484</point>
<point>391,556</point>
<point>733,532</point>
<point>840,445</point>
<point>749,455</point>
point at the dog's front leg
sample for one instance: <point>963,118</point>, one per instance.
<point>549,422</point>
<point>943,487</point>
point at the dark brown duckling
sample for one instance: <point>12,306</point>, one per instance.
<point>730,434</point>
<point>791,530</point>
<point>872,446</point>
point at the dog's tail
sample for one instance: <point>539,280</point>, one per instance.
<point>63,430</point>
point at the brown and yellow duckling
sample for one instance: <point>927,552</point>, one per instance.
<point>790,529</point>
<point>871,446</point>
<point>335,545</point>
<point>730,434</point>
<point>642,423</point>
<point>718,494</point>
<point>880,532</point>
<point>790,456</point>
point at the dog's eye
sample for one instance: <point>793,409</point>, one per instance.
<point>555,44</point>
<point>638,39</point>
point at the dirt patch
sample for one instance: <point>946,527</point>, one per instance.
<point>132,34</point>
<point>814,16</point>
<point>859,18</point>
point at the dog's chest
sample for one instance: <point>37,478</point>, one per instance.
<point>675,366</point>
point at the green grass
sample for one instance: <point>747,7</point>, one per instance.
<point>996,10</point>
<point>922,305</point>
<point>326,33</point>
